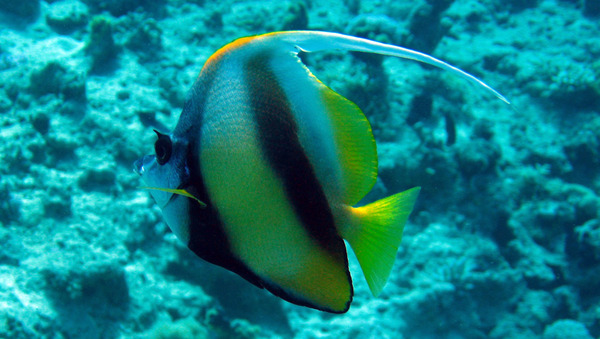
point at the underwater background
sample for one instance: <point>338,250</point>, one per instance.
<point>504,241</point>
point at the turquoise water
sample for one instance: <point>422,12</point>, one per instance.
<point>504,241</point>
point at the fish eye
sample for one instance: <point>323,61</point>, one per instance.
<point>162,147</point>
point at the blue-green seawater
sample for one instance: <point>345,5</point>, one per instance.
<point>504,241</point>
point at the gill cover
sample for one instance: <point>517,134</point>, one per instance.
<point>166,174</point>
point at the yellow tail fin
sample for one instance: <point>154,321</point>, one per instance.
<point>377,234</point>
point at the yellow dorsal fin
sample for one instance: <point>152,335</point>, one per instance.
<point>355,145</point>
<point>176,191</point>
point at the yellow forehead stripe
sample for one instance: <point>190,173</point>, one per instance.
<point>226,49</point>
<point>236,44</point>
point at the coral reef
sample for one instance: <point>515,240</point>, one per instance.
<point>505,238</point>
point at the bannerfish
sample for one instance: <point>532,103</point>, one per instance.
<point>266,163</point>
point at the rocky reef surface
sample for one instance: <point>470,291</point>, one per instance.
<point>504,241</point>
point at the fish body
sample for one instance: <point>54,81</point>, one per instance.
<point>263,169</point>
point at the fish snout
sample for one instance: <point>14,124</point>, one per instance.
<point>142,164</point>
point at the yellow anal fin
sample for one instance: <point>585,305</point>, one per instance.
<point>321,282</point>
<point>377,233</point>
<point>177,191</point>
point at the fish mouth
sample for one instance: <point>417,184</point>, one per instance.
<point>142,164</point>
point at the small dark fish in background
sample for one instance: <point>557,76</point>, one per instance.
<point>450,129</point>
<point>263,169</point>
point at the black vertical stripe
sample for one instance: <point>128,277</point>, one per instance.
<point>208,239</point>
<point>278,135</point>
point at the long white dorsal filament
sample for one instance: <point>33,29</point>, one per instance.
<point>313,41</point>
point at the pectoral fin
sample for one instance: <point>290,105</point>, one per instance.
<point>178,191</point>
